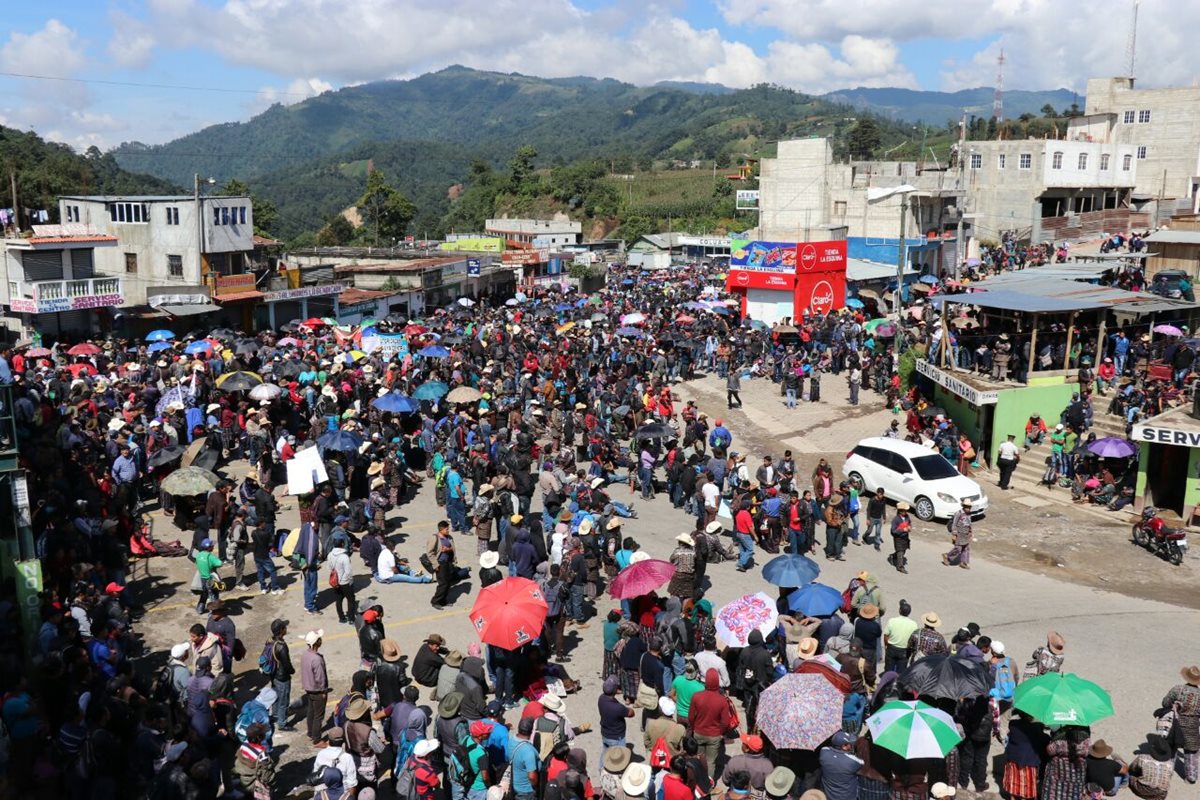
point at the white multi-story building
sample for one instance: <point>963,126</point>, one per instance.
<point>166,241</point>
<point>536,233</point>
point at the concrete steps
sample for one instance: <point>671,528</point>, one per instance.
<point>1033,463</point>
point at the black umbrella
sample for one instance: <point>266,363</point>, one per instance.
<point>165,456</point>
<point>655,430</point>
<point>453,338</point>
<point>247,347</point>
<point>289,369</point>
<point>224,334</point>
<point>238,381</point>
<point>946,678</point>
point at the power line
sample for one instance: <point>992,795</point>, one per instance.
<point>133,84</point>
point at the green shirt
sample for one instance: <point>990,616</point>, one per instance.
<point>684,688</point>
<point>1056,441</point>
<point>206,563</point>
<point>478,759</point>
<point>898,631</point>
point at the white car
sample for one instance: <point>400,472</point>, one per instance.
<point>908,471</point>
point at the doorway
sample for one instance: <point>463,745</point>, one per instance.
<point>1166,476</point>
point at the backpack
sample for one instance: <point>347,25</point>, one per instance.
<point>406,781</point>
<point>458,757</point>
<point>547,733</point>
<point>847,601</point>
<point>339,711</point>
<point>660,754</point>
<point>162,687</point>
<point>267,662</point>
<point>1004,677</point>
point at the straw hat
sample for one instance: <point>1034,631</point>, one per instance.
<point>389,650</point>
<point>807,648</point>
<point>376,468</point>
<point>1191,675</point>
<point>1056,642</point>
<point>616,759</point>
<point>635,779</point>
<point>489,559</point>
<point>932,620</point>
<point>869,611</point>
<point>686,538</point>
<point>378,483</point>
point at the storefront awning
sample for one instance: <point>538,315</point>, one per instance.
<point>234,297</point>
<point>189,310</point>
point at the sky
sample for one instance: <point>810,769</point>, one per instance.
<point>101,72</point>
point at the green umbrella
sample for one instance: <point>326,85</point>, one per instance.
<point>189,481</point>
<point>1056,699</point>
<point>913,729</point>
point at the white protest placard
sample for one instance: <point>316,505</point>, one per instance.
<point>305,470</point>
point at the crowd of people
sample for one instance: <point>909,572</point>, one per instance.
<point>521,419</point>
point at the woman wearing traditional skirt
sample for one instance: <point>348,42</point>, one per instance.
<point>1022,757</point>
<point>1066,769</point>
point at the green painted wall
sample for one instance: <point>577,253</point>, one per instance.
<point>1139,490</point>
<point>965,415</point>
<point>1191,492</point>
<point>1047,396</point>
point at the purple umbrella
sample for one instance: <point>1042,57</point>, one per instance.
<point>1112,447</point>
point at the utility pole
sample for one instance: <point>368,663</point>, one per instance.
<point>960,250</point>
<point>12,177</point>
<point>900,256</point>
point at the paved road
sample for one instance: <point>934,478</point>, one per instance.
<point>1133,647</point>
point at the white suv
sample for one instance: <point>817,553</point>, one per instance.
<point>907,471</point>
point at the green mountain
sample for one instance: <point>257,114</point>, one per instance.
<point>45,170</point>
<point>938,108</point>
<point>310,158</point>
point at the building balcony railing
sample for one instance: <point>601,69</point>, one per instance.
<point>75,289</point>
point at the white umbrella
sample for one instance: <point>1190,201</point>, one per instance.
<point>266,391</point>
<point>751,612</point>
<point>466,302</point>
<point>633,319</point>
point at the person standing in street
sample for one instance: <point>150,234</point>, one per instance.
<point>281,679</point>
<point>901,537</point>
<point>854,379</point>
<point>307,557</point>
<point>743,532</point>
<point>733,385</point>
<point>835,526</point>
<point>1007,459</point>
<point>876,515</point>
<point>261,542</point>
<point>896,636</point>
<point>960,531</point>
<point>315,682</point>
<point>444,565</point>
<point>341,578</point>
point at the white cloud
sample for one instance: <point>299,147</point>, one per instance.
<point>53,50</point>
<point>133,41</point>
<point>862,62</point>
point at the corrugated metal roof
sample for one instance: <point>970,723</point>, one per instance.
<point>1174,237</point>
<point>233,297</point>
<point>1053,295</point>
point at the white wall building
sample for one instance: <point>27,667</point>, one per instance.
<point>160,241</point>
<point>536,233</point>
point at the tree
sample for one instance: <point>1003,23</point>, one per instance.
<point>384,208</point>
<point>863,139</point>
<point>1048,111</point>
<point>520,168</point>
<point>336,233</point>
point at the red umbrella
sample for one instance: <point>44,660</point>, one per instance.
<point>510,613</point>
<point>38,352</point>
<point>84,349</point>
<point>415,330</point>
<point>313,322</point>
<point>76,369</point>
<point>641,578</point>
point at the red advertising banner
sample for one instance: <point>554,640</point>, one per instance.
<point>820,293</point>
<point>754,279</point>
<point>815,257</point>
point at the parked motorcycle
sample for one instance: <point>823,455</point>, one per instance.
<point>1153,534</point>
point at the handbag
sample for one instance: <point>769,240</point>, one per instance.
<point>647,695</point>
<point>427,563</point>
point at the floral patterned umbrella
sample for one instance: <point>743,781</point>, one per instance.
<point>800,711</point>
<point>747,613</point>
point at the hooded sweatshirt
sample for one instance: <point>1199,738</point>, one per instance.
<point>709,713</point>
<point>841,643</point>
<point>339,562</point>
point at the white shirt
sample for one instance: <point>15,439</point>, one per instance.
<point>711,494</point>
<point>1007,452</point>
<point>706,660</point>
<point>385,567</point>
<point>335,756</point>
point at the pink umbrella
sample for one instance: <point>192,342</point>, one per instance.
<point>641,578</point>
<point>288,341</point>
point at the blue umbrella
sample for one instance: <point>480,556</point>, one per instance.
<point>159,336</point>
<point>853,302</point>
<point>342,441</point>
<point>396,403</point>
<point>154,348</point>
<point>694,306</point>
<point>370,330</point>
<point>431,390</point>
<point>199,346</point>
<point>628,332</point>
<point>928,279</point>
<point>815,600</point>
<point>790,570</point>
<point>627,282</point>
<point>563,307</point>
<point>434,351</point>
<point>720,310</point>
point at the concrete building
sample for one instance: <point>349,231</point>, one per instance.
<point>804,194</point>
<point>51,286</point>
<point>1027,186</point>
<point>528,234</point>
<point>167,240</point>
<point>1163,127</point>
<point>1175,246</point>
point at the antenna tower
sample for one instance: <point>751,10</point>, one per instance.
<point>998,100</point>
<point>1131,45</point>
